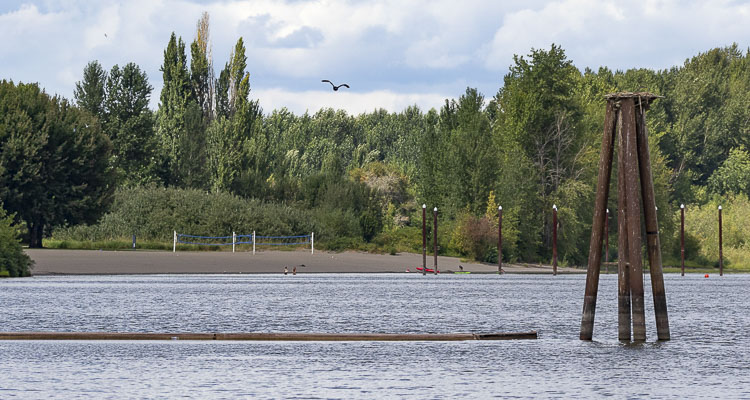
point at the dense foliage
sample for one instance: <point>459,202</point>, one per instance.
<point>363,178</point>
<point>54,160</point>
<point>13,261</point>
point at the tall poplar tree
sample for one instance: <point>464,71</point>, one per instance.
<point>173,105</point>
<point>202,69</point>
<point>90,92</point>
<point>129,124</point>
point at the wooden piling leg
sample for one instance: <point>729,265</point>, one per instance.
<point>634,219</point>
<point>623,266</point>
<point>652,227</point>
<point>595,246</point>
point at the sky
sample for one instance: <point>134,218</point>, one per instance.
<point>393,53</point>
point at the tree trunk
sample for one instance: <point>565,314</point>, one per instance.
<point>35,235</point>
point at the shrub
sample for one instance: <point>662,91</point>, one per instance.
<point>474,236</point>
<point>13,261</point>
<point>701,225</point>
<point>153,213</point>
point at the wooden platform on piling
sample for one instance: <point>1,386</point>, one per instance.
<point>317,337</point>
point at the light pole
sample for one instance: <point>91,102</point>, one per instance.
<point>721,250</point>
<point>682,238</point>
<point>434,235</point>
<point>424,239</point>
<point>554,239</point>
<point>500,239</point>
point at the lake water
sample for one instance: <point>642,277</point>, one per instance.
<point>708,356</point>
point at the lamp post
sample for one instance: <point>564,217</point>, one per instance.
<point>500,239</point>
<point>434,236</point>
<point>721,253</point>
<point>682,238</point>
<point>424,239</point>
<point>554,239</point>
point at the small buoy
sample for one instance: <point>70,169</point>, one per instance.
<point>706,276</point>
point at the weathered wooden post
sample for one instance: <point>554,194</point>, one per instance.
<point>682,239</point>
<point>595,248</point>
<point>652,225</point>
<point>424,239</point>
<point>500,239</point>
<point>633,205</point>
<point>554,239</point>
<point>626,114</point>
<point>434,239</point>
<point>623,258</point>
<point>721,248</point>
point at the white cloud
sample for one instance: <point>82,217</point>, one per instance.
<point>651,34</point>
<point>389,49</point>
<point>354,103</point>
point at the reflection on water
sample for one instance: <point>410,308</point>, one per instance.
<point>708,356</point>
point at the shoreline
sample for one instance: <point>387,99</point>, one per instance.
<point>146,262</point>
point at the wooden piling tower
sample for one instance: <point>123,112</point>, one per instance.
<point>625,114</point>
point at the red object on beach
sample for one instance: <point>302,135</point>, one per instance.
<point>426,269</point>
<point>706,275</point>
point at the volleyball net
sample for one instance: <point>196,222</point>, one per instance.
<point>252,239</point>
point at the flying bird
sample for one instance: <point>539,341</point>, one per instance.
<point>335,88</point>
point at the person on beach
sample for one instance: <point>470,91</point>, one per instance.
<point>461,268</point>
<point>285,270</point>
<point>294,271</point>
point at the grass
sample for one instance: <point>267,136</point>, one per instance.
<point>387,243</point>
<point>127,244</point>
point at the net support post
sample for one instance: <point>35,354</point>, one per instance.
<point>312,242</point>
<point>174,242</point>
<point>253,242</point>
<point>234,240</point>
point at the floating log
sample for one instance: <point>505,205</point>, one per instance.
<point>252,336</point>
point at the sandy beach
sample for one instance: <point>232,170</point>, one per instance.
<point>88,262</point>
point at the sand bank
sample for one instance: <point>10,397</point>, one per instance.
<point>73,262</point>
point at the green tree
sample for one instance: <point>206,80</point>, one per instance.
<point>174,99</point>
<point>54,158</point>
<point>538,120</point>
<point>733,176</point>
<point>474,167</point>
<point>90,92</point>
<point>201,68</point>
<point>13,261</point>
<point>237,147</point>
<point>130,124</point>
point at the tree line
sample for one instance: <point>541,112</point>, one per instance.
<point>533,144</point>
